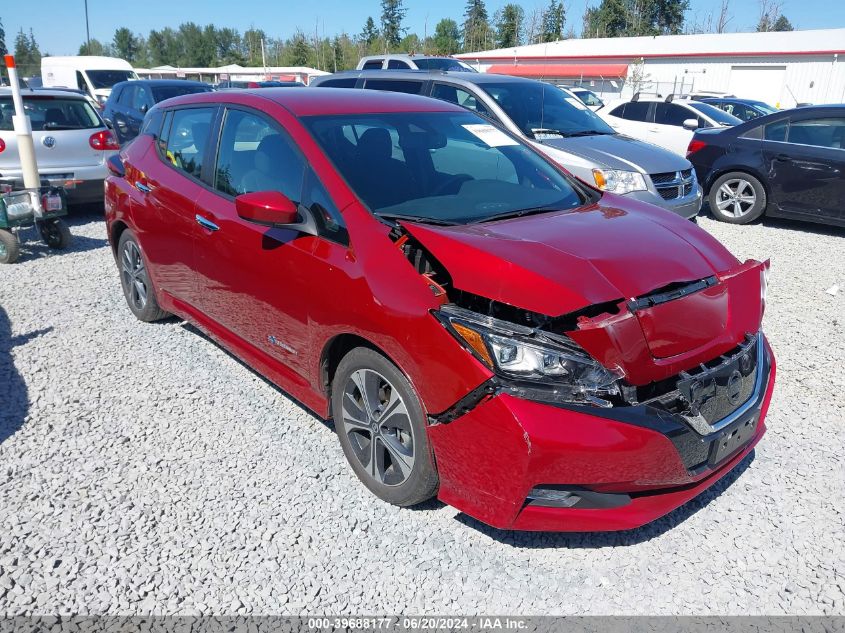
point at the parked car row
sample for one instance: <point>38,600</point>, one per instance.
<point>480,324</point>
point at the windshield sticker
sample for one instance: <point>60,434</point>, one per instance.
<point>576,102</point>
<point>489,134</point>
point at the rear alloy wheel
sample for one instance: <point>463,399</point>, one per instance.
<point>10,248</point>
<point>738,198</point>
<point>135,280</point>
<point>381,428</point>
<point>55,234</point>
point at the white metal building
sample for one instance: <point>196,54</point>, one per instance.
<point>781,68</point>
<point>233,72</point>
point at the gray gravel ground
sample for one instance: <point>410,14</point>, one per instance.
<point>144,470</point>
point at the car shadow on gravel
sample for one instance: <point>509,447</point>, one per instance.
<point>783,223</point>
<point>14,396</point>
<point>32,247</point>
<point>592,540</point>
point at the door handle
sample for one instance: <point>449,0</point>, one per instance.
<point>206,223</point>
<point>142,187</point>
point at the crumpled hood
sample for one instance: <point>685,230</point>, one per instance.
<point>616,151</point>
<point>559,262</point>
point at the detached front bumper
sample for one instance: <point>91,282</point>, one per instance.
<point>631,465</point>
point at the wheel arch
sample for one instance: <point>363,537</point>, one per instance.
<point>116,230</point>
<point>718,172</point>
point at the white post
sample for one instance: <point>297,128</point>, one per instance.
<point>23,130</point>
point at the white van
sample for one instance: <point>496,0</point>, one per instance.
<point>94,75</point>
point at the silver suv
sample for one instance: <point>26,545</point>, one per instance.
<point>72,143</point>
<point>413,62</point>
<point>557,123</point>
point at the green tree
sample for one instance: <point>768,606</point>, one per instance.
<point>95,47</point>
<point>476,28</point>
<point>509,20</point>
<point>447,37</point>
<point>370,33</point>
<point>228,46</point>
<point>27,54</point>
<point>782,24</point>
<point>553,20</point>
<point>298,50</point>
<point>392,14</point>
<point>3,49</point>
<point>619,18</point>
<point>125,45</point>
<point>252,42</point>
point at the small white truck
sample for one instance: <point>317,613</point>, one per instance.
<point>95,75</point>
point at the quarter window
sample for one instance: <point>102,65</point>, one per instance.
<point>255,155</point>
<point>635,111</point>
<point>395,64</point>
<point>373,64</point>
<point>188,139</point>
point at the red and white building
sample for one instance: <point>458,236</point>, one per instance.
<point>781,68</point>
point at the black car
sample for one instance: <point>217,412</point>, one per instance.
<point>789,164</point>
<point>130,100</point>
<point>745,109</point>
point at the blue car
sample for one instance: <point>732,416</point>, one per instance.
<point>129,101</point>
<point>745,109</point>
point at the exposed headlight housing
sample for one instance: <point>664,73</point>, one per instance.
<point>619,181</point>
<point>532,357</point>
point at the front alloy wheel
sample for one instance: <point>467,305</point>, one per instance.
<point>381,427</point>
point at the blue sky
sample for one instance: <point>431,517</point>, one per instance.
<point>59,25</point>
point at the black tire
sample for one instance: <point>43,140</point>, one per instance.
<point>740,209</point>
<point>383,475</point>
<point>137,286</point>
<point>10,248</point>
<point>55,234</point>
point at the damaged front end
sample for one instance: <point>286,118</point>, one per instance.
<point>611,407</point>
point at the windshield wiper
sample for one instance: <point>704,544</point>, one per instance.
<point>566,134</point>
<point>518,213</point>
<point>589,133</point>
<point>414,218</point>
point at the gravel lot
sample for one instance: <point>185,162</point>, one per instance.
<point>144,470</point>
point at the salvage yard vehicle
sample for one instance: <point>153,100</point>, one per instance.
<point>17,212</point>
<point>479,324</point>
<point>790,164</point>
<point>557,123</point>
<point>129,101</point>
<point>71,141</point>
<point>669,122</point>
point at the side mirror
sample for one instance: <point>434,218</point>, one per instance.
<point>144,108</point>
<point>266,207</point>
<point>690,124</point>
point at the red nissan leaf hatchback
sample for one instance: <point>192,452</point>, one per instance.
<point>479,324</point>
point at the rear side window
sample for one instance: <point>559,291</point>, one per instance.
<point>152,123</point>
<point>636,111</point>
<point>50,113</point>
<point>776,131</point>
<point>395,85</point>
<point>459,96</point>
<point>188,139</point>
<point>142,98</point>
<point>672,114</point>
<point>346,82</point>
<point>395,64</point>
<point>823,132</point>
<point>373,64</point>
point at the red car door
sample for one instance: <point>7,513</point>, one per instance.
<point>170,183</point>
<point>255,281</point>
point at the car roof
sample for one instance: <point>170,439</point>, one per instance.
<point>70,93</point>
<point>160,82</point>
<point>326,101</point>
<point>455,76</point>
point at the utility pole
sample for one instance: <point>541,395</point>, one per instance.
<point>263,60</point>
<point>87,30</point>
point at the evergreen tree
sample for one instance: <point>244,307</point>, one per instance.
<point>476,28</point>
<point>782,24</point>
<point>125,45</point>
<point>447,37</point>
<point>370,33</point>
<point>3,49</point>
<point>392,14</point>
<point>509,20</point>
<point>553,20</point>
<point>298,51</point>
<point>94,47</point>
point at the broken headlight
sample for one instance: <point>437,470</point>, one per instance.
<point>529,355</point>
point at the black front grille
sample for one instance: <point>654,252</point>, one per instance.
<point>673,184</point>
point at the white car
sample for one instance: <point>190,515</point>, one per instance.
<point>72,143</point>
<point>669,122</point>
<point>588,97</point>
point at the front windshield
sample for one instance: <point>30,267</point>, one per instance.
<point>540,110</point>
<point>719,116</point>
<point>108,78</point>
<point>440,167</point>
